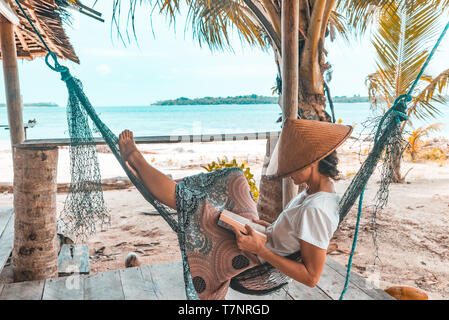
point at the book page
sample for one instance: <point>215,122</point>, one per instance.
<point>228,218</point>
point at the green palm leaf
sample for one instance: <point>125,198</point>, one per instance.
<point>424,103</point>
<point>211,22</point>
<point>361,14</point>
<point>402,41</point>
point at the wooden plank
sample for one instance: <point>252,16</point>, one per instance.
<point>299,291</point>
<point>135,286</point>
<point>21,38</point>
<point>168,282</point>
<point>64,260</point>
<point>28,290</point>
<point>360,282</point>
<point>332,283</point>
<point>161,139</point>
<point>73,258</point>
<point>81,257</point>
<point>277,295</point>
<point>6,241</point>
<point>167,279</point>
<point>7,12</point>
<point>103,286</point>
<point>67,288</point>
<point>5,214</point>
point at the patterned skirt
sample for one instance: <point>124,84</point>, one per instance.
<point>212,252</point>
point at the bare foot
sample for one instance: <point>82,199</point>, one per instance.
<point>127,145</point>
<point>128,149</point>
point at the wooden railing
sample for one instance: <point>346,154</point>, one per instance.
<point>45,143</point>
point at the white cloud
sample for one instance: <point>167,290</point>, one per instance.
<point>103,69</point>
<point>232,71</point>
<point>119,53</point>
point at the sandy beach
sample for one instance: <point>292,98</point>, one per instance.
<point>412,238</point>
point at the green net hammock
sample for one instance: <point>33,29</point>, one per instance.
<point>85,208</point>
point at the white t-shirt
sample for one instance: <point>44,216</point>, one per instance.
<point>312,218</point>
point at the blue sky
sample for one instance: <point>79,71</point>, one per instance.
<point>171,64</point>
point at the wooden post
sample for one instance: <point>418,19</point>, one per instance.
<point>290,64</point>
<point>35,254</point>
<point>11,76</point>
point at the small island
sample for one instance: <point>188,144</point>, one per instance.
<point>248,99</point>
<point>36,104</point>
<point>353,99</point>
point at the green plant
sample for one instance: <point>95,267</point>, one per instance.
<point>415,139</point>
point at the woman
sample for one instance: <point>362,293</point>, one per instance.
<point>305,153</point>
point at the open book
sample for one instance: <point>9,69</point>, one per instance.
<point>228,219</point>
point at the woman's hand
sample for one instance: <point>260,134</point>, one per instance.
<point>251,242</point>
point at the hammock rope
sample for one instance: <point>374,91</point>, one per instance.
<point>85,190</point>
<point>399,110</point>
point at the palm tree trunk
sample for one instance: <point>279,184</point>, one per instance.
<point>35,253</point>
<point>397,176</point>
<point>311,100</point>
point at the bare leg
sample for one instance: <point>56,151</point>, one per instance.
<point>161,186</point>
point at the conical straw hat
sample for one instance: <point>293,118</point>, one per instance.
<point>302,143</point>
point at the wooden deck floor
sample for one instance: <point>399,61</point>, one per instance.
<point>164,282</point>
<point>6,234</point>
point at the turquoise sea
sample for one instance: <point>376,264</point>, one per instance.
<point>179,120</point>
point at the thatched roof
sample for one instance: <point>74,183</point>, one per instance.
<point>46,16</point>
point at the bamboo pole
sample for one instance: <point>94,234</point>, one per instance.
<point>11,76</point>
<point>7,12</point>
<point>35,253</point>
<point>290,62</point>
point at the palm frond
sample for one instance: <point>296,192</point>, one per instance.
<point>379,89</point>
<point>439,83</point>
<point>211,22</point>
<point>425,110</point>
<point>338,26</point>
<point>423,105</point>
<point>361,14</point>
<point>424,131</point>
<point>402,43</point>
<point>416,136</point>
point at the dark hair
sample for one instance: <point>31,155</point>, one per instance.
<point>328,166</point>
